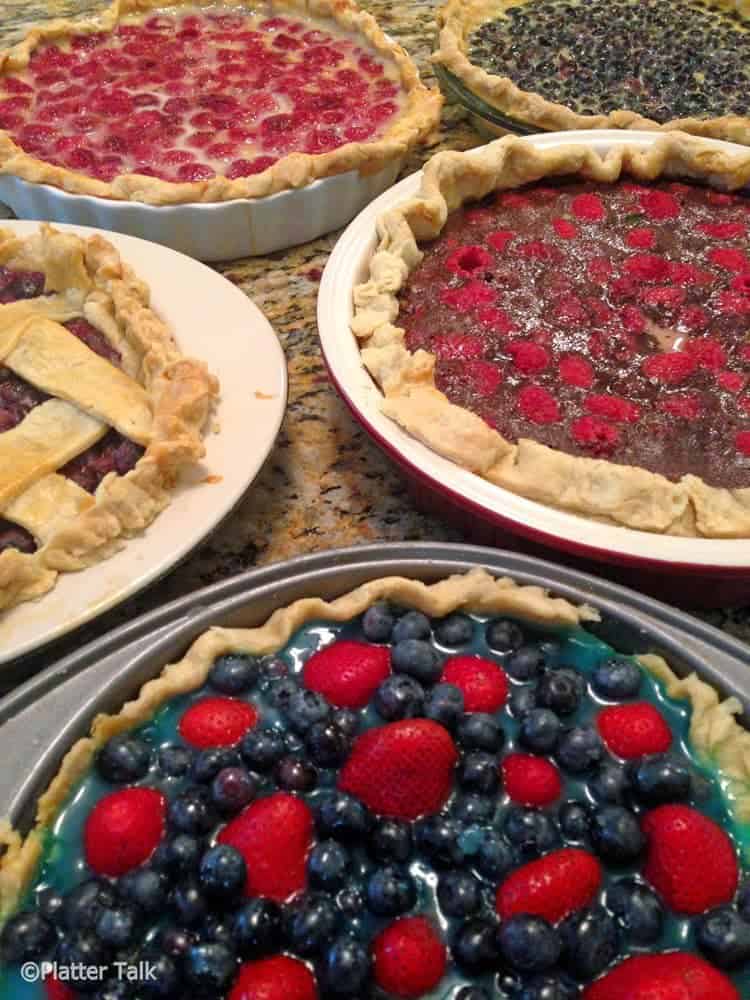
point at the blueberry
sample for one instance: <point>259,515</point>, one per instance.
<point>590,941</point>
<point>311,920</point>
<point>723,937</point>
<point>743,900</point>
<point>50,904</point>
<point>342,817</point>
<point>454,631</point>
<point>475,946</point>
<point>391,891</point>
<point>256,928</point>
<point>174,761</point>
<point>413,625</point>
<point>549,987</point>
<point>327,745</point>
<point>233,673</point>
<point>617,678</point>
<point>528,943</point>
<point>281,692</point>
<point>458,894</point>
<point>192,812</point>
<point>479,731</point>
<point>637,909</point>
<point>390,840</point>
<point>610,783</point>
<point>445,704</point>
<point>26,936</point>
<point>123,758</point>
<point>146,888</point>
<point>378,622</point>
<point>346,969</point>
<point>177,855</point>
<point>79,953</point>
<point>84,904</point>
<point>494,857</point>
<point>346,720</point>
<point>296,774</point>
<point>477,772</point>
<point>504,636</point>
<point>438,838</point>
<point>540,730</point>
<point>473,808</point>
<point>114,989</point>
<point>350,901</point>
<point>189,902</point>
<point>573,818</point>
<point>161,976</point>
<point>417,659</point>
<point>616,834</point>
<point>305,708</point>
<point>174,942</point>
<point>522,700</point>
<point>209,968</point>
<point>472,993</point>
<point>399,697</point>
<point>232,789</point>
<point>222,872</point>
<point>208,763</point>
<point>530,830</point>
<point>327,865</point>
<point>525,664</point>
<point>262,749</point>
<point>561,690</point>
<point>660,778</point>
<point>116,927</point>
<point>580,750</point>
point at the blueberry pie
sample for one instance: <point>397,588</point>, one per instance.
<point>170,102</point>
<point>574,327</point>
<point>99,411</point>
<point>565,64</point>
<point>452,791</point>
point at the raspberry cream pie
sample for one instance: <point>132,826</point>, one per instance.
<point>447,792</point>
<point>564,64</point>
<point>99,411</point>
<point>167,102</point>
<point>575,328</point>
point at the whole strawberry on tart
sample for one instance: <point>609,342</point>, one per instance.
<point>166,102</point>
<point>575,327</point>
<point>244,836</point>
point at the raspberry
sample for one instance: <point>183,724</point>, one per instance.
<point>588,207</point>
<point>647,267</point>
<point>468,297</point>
<point>577,371</point>
<point>723,230</point>
<point>729,259</point>
<point>569,309</point>
<point>538,405</point>
<point>640,239</point>
<point>485,378</point>
<point>708,353</point>
<point>495,319</point>
<point>688,274</point>
<point>599,269</point>
<point>671,368</point>
<point>731,381</point>
<point>743,404</point>
<point>457,347</point>
<point>684,407</point>
<point>694,318</point>
<point>528,357</point>
<point>601,314</point>
<point>734,304</point>
<point>595,435</point>
<point>565,229</point>
<point>613,408</point>
<point>659,205</point>
<point>719,198</point>
<point>742,442</point>
<point>633,319</point>
<point>665,296</point>
<point>500,239</point>
<point>741,283</point>
<point>468,259</point>
<point>624,288</point>
<point>539,250</point>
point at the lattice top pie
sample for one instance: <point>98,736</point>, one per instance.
<point>99,411</point>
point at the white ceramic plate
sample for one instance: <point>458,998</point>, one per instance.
<point>212,320</point>
<point>348,266</point>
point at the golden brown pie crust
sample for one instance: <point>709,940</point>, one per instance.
<point>418,118</point>
<point>621,494</point>
<point>86,277</point>
<point>458,19</point>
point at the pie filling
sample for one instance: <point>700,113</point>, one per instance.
<point>325,885</point>
<point>606,321</point>
<point>660,58</point>
<point>185,95</point>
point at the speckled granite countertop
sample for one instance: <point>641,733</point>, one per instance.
<point>325,485</point>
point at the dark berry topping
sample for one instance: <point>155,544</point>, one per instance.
<point>504,636</point>
<point>616,679</point>
<point>262,749</point>
<point>327,744</point>
<point>257,928</point>
<point>580,750</point>
<point>209,968</point>
<point>412,625</point>
<point>123,759</point>
<point>454,631</point>
<point>637,909</point>
<point>458,894</point>
<point>590,941</point>
<point>391,840</point>
<point>306,708</point>
<point>417,659</point>
<point>311,921</point>
<point>145,888</point>
<point>445,704</point>
<point>660,778</point>
<point>296,774</point>
<point>208,763</point>
<point>222,872</point>
<point>399,697</point>
<point>192,812</point>
<point>391,891</point>
<point>342,817</point>
<point>475,947</point>
<point>477,772</point>
<point>233,673</point>
<point>347,966</point>
<point>528,943</point>
<point>561,691</point>
<point>616,834</point>
<point>328,865</point>
<point>175,761</point>
<point>525,664</point>
<point>378,622</point>
<point>26,936</point>
<point>540,730</point>
<point>723,937</point>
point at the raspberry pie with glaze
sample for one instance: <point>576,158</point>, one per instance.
<point>576,328</point>
<point>99,411</point>
<point>169,103</point>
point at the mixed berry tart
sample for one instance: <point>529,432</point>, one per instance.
<point>453,791</point>
<point>167,102</point>
<point>576,327</point>
<point>562,64</point>
<point>99,411</point>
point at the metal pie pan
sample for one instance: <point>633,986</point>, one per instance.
<point>43,717</point>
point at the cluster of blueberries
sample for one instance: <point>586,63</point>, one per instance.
<point>184,910</point>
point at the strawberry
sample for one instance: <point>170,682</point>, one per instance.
<point>682,842</point>
<point>484,684</point>
<point>409,957</point>
<point>674,976</point>
<point>277,978</point>
<point>552,886</point>
<point>634,730</point>
<point>56,990</point>
<point>217,722</point>
<point>348,673</point>
<point>274,836</point>
<point>530,780</point>
<point>123,829</point>
<point>403,769</point>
